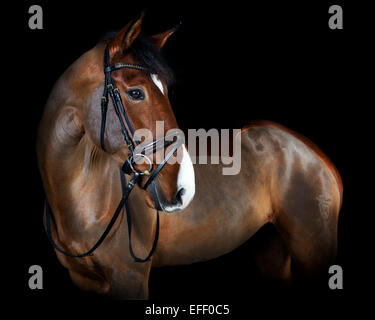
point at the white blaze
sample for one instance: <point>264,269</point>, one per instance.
<point>157,82</point>
<point>186,180</point>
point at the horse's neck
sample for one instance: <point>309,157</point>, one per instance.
<point>82,182</point>
<point>67,158</point>
<point>86,189</point>
<point>61,128</point>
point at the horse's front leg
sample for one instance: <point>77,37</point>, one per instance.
<point>130,281</point>
<point>120,282</point>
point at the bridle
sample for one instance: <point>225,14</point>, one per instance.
<point>110,89</point>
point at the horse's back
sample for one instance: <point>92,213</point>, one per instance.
<point>293,152</point>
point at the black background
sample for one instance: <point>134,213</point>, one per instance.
<point>233,62</point>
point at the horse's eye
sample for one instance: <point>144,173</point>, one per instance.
<point>136,94</point>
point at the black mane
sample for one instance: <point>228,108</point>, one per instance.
<point>144,52</point>
<point>146,55</point>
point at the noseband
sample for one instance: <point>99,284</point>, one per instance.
<point>110,89</point>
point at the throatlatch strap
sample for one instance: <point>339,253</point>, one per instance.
<point>104,106</point>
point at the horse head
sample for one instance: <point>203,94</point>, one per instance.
<point>142,84</point>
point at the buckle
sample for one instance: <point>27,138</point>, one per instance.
<point>146,172</point>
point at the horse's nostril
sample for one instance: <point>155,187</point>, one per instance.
<point>179,195</point>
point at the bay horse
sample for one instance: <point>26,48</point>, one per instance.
<point>284,180</point>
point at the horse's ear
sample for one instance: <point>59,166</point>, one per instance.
<point>158,40</point>
<point>126,36</point>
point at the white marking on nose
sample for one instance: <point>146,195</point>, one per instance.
<point>157,82</point>
<point>185,180</point>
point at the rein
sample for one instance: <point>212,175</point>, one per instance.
<point>110,89</point>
